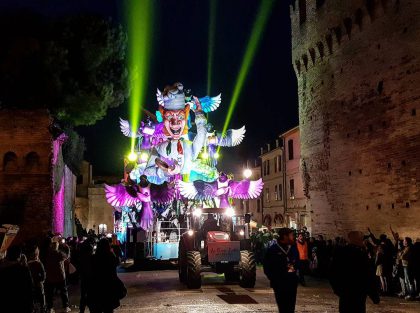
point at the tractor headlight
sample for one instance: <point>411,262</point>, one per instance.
<point>197,212</point>
<point>190,232</point>
<point>230,212</point>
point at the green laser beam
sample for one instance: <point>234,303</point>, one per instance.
<point>212,32</point>
<point>251,48</point>
<point>140,18</point>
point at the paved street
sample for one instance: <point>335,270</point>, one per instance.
<point>160,291</point>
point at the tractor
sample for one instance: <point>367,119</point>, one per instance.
<point>218,241</point>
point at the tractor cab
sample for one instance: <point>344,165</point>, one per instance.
<point>218,241</point>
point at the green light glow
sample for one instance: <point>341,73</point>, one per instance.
<point>212,31</point>
<point>140,18</point>
<point>251,48</point>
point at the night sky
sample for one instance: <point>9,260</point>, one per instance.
<point>268,102</point>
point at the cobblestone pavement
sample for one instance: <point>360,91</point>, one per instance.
<point>160,291</point>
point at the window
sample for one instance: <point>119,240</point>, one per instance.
<point>31,161</point>
<point>268,167</point>
<point>10,162</point>
<point>276,193</point>
<point>319,3</point>
<point>292,188</point>
<point>267,194</point>
<point>279,163</point>
<point>302,11</point>
<point>290,149</point>
<point>281,192</point>
<point>258,205</point>
<point>275,164</point>
<point>79,180</point>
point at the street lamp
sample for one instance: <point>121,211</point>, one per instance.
<point>247,173</point>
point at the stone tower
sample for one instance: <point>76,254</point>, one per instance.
<point>357,64</point>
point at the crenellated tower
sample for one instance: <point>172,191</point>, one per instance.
<point>357,63</point>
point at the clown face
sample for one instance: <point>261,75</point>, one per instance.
<point>174,122</point>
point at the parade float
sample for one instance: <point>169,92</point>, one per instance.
<point>171,176</point>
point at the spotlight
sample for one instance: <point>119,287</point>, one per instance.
<point>197,212</point>
<point>230,211</point>
<point>144,156</point>
<point>132,156</point>
<point>247,173</point>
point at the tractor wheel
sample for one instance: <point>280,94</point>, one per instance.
<point>182,262</point>
<point>248,269</point>
<point>193,269</point>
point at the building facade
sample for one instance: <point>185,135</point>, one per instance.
<point>357,67</point>
<point>273,193</point>
<point>296,213</point>
<point>37,190</point>
<point>92,209</point>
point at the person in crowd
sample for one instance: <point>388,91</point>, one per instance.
<point>116,247</point>
<point>352,277</point>
<point>415,257</point>
<point>38,278</point>
<point>379,263</point>
<point>407,263</point>
<point>302,247</point>
<point>15,283</point>
<point>399,270</point>
<point>314,263</point>
<point>280,267</point>
<point>56,276</point>
<point>105,288</point>
<point>85,270</point>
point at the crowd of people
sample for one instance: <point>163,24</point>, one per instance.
<point>357,267</point>
<point>38,270</point>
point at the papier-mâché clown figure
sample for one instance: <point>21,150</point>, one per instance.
<point>176,155</point>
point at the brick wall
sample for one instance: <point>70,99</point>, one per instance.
<point>25,189</point>
<point>357,65</point>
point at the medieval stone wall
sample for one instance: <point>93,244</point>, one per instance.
<point>25,180</point>
<point>358,68</point>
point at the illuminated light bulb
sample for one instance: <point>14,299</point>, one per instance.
<point>241,232</point>
<point>205,155</point>
<point>190,232</point>
<point>230,211</point>
<point>132,156</point>
<point>216,155</point>
<point>247,173</point>
<point>198,212</point>
<point>144,156</point>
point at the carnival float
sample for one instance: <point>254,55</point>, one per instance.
<point>171,177</point>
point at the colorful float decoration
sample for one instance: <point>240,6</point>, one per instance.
<point>175,163</point>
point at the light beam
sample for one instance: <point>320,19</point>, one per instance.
<point>140,18</point>
<point>251,48</point>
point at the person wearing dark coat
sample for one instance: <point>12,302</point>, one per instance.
<point>56,277</point>
<point>15,283</point>
<point>352,276</point>
<point>85,269</point>
<point>280,265</point>
<point>104,286</point>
